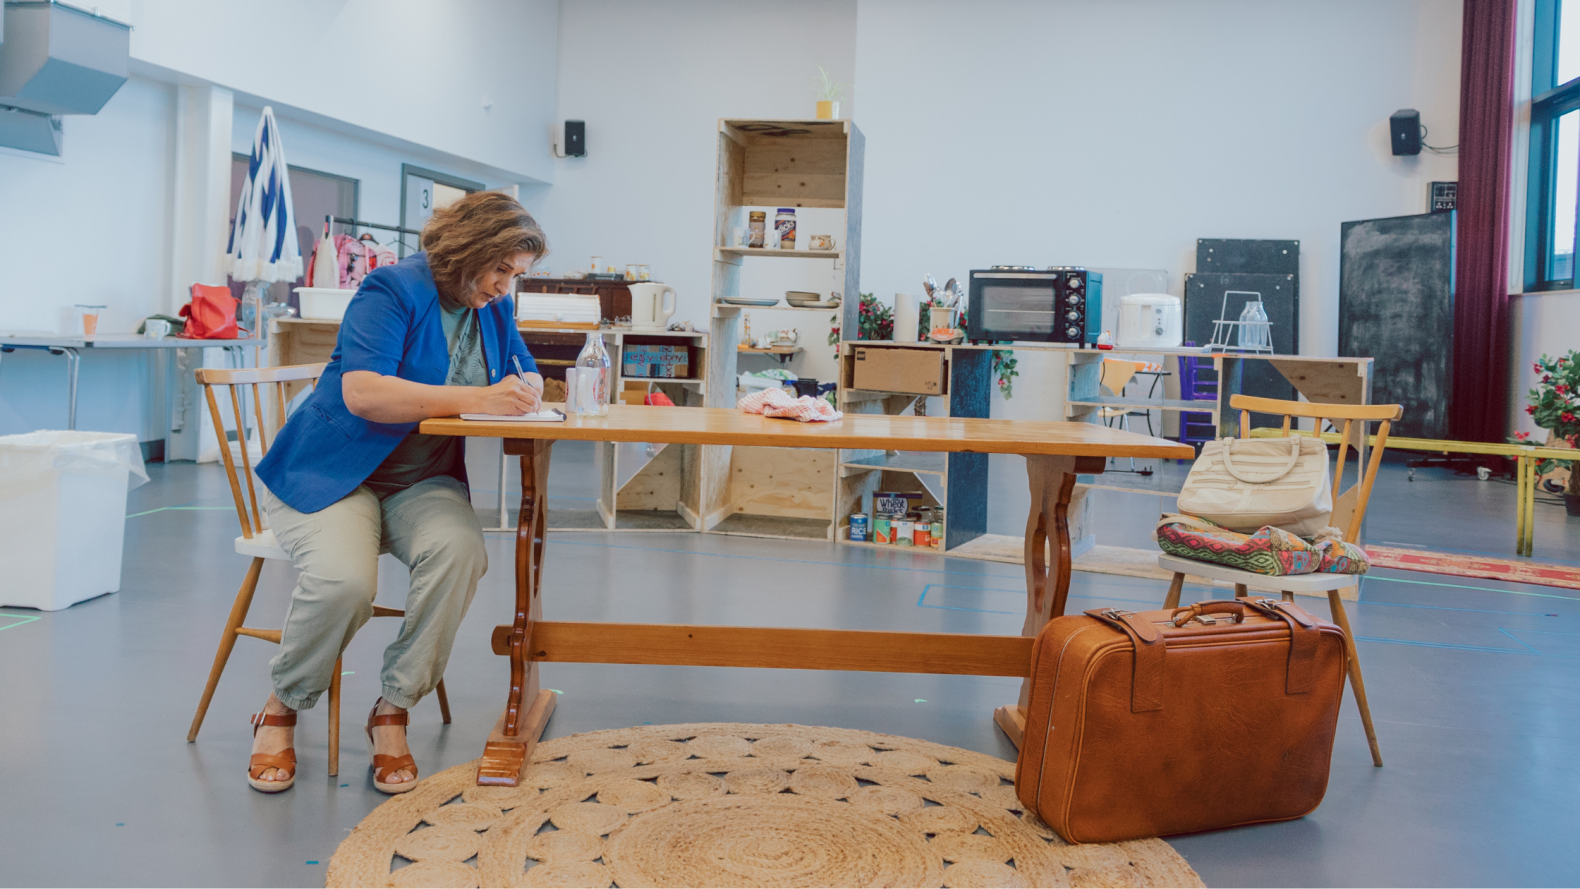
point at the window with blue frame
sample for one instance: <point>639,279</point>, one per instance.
<point>1553,197</point>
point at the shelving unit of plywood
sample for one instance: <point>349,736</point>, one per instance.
<point>957,482</point>
<point>643,488</point>
<point>764,164</point>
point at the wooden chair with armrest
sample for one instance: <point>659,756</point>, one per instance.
<point>256,540</point>
<point>1349,509</point>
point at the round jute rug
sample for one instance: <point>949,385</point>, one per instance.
<point>723,804</point>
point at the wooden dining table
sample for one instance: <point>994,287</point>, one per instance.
<point>1055,452</point>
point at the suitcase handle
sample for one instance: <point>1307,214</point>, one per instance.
<point>1183,616</point>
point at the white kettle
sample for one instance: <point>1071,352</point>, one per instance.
<point>651,306</point>
<point>1149,320</point>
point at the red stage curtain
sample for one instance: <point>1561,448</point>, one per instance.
<point>1482,329</point>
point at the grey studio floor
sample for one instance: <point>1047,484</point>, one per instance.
<point>1473,683</point>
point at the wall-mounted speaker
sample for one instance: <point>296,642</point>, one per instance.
<point>1404,128</point>
<point>576,138</point>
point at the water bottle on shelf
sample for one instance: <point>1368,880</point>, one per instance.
<point>1253,330</point>
<point>593,363</point>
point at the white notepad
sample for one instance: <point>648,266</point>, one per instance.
<point>549,416</point>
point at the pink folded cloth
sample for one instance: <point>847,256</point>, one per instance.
<point>779,403</point>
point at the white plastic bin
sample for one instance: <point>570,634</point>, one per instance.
<point>63,515</point>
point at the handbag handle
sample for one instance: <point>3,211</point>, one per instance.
<point>1228,464</point>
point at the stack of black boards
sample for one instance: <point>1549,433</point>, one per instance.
<point>1228,271</point>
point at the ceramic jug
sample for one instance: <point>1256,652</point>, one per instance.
<point>651,306</point>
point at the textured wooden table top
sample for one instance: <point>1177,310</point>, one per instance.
<point>727,426</point>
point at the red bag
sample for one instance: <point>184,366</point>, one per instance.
<point>211,315</point>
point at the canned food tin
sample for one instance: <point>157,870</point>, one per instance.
<point>923,534</point>
<point>905,532</point>
<point>936,534</point>
<point>882,529</point>
<point>858,527</point>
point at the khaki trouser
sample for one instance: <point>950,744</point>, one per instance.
<point>432,528</point>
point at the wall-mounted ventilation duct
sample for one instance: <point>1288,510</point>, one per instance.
<point>55,59</point>
<point>30,131</point>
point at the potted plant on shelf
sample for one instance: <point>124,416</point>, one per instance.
<point>1555,406</point>
<point>829,95</point>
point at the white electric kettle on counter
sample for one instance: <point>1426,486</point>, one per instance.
<point>651,306</point>
<point>1149,320</point>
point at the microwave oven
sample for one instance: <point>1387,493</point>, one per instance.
<point>1059,304</point>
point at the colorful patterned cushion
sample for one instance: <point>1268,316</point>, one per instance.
<point>1271,551</point>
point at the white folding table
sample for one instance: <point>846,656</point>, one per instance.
<point>71,348</point>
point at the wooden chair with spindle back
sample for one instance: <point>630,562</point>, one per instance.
<point>1349,510</point>
<point>256,540</point>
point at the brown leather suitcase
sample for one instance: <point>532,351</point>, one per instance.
<point>1152,723</point>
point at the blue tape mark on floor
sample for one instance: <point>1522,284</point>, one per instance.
<point>1568,642</point>
<point>18,620</point>
<point>1371,578</point>
<point>690,552</point>
<point>1447,608</point>
<point>922,603</point>
<point>134,515</point>
<point>1465,552</point>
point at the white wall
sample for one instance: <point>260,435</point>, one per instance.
<point>92,227</point>
<point>1117,133</point>
<point>652,80</point>
<point>1544,324</point>
<point>410,70</point>
<point>378,84</point>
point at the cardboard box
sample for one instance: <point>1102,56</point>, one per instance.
<point>668,362</point>
<point>912,371</point>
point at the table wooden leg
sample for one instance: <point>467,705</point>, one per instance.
<point>1047,558</point>
<point>527,707</point>
<point>1519,508</point>
<point>1530,506</point>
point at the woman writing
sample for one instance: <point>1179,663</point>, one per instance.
<point>349,477</point>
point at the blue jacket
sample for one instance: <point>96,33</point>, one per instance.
<point>392,327</point>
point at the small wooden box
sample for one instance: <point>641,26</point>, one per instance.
<point>912,371</point>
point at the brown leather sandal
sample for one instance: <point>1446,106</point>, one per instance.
<point>284,761</point>
<point>384,764</point>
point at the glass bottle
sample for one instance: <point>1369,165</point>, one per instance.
<point>1264,332</point>
<point>594,359</point>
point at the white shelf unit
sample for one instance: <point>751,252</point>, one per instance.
<point>957,482</point>
<point>639,488</point>
<point>774,492</point>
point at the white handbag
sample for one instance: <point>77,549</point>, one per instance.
<point>1245,483</point>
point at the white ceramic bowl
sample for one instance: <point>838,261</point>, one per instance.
<point>323,303</point>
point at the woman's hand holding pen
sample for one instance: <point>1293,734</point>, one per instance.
<point>511,395</point>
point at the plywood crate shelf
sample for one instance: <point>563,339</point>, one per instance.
<point>764,164</point>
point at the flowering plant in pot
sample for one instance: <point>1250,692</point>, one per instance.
<point>1555,406</point>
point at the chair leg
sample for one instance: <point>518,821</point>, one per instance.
<point>1357,683</point>
<point>444,703</point>
<point>1240,592</point>
<point>227,641</point>
<point>334,721</point>
<point>1175,585</point>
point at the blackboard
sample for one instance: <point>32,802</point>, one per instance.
<point>1240,256</point>
<point>1396,306</point>
<point>1204,295</point>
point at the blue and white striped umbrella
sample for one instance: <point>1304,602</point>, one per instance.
<point>263,241</point>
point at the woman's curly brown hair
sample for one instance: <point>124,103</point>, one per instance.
<point>468,237</point>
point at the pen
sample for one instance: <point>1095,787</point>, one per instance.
<point>519,372</point>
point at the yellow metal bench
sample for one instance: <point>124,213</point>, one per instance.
<point>1525,457</point>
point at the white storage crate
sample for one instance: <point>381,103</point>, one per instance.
<point>63,515</point>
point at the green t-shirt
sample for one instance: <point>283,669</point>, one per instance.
<point>420,456</point>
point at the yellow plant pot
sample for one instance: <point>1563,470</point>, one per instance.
<point>827,110</point>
